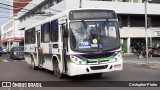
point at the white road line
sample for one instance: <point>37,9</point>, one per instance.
<point>5,60</point>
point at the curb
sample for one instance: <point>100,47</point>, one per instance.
<point>150,66</point>
<point>155,66</point>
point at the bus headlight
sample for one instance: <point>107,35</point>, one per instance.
<point>76,60</point>
<point>116,58</point>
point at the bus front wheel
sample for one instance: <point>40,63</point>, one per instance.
<point>33,64</point>
<point>57,72</point>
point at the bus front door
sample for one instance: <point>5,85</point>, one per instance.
<point>39,51</point>
<point>65,47</point>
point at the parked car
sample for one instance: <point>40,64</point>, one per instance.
<point>156,51</point>
<point>17,53</point>
<point>1,50</point>
<point>4,50</point>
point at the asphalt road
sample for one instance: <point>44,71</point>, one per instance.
<point>19,70</point>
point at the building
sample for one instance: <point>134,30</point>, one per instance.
<point>18,5</point>
<point>130,12</point>
<point>10,34</point>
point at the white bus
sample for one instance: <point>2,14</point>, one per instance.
<point>75,42</point>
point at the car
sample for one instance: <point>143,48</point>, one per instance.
<point>1,50</point>
<point>156,51</point>
<point>17,53</point>
<point>4,50</point>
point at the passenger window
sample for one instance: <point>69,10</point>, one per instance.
<point>33,36</point>
<point>45,29</point>
<point>54,31</point>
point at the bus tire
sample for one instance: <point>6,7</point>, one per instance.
<point>33,64</point>
<point>10,57</point>
<point>57,72</point>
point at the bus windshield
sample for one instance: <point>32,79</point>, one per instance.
<point>94,35</point>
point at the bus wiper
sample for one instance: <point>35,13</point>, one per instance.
<point>84,24</point>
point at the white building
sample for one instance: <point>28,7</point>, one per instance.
<point>132,15</point>
<point>10,34</point>
<point>131,12</point>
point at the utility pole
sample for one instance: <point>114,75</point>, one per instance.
<point>80,4</point>
<point>146,36</point>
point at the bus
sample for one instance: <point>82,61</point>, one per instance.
<point>75,42</point>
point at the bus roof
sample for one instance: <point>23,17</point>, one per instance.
<point>62,14</point>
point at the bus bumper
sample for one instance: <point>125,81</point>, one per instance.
<point>75,69</point>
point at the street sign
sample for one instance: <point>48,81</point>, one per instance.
<point>157,33</point>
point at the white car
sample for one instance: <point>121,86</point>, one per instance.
<point>4,50</point>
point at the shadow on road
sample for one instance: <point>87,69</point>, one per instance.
<point>87,77</point>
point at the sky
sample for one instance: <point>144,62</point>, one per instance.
<point>4,13</point>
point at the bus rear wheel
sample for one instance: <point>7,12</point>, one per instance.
<point>57,72</point>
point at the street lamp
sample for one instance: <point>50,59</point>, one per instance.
<point>145,5</point>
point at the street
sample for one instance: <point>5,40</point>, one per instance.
<point>20,70</point>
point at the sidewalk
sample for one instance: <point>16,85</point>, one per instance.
<point>142,65</point>
<point>150,66</point>
<point>129,56</point>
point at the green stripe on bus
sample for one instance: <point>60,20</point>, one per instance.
<point>48,58</point>
<point>107,58</point>
<point>69,61</point>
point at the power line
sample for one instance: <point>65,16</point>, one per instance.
<point>14,18</point>
<point>23,8</point>
<point>10,9</point>
<point>3,17</point>
<point>48,8</point>
<point>4,12</point>
<point>5,8</point>
<point>33,4</point>
<point>18,7</point>
<point>13,6</point>
<point>36,5</point>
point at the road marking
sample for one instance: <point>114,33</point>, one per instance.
<point>5,60</point>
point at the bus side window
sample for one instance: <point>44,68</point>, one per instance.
<point>26,39</point>
<point>54,31</point>
<point>45,29</point>
<point>29,36</point>
<point>33,36</point>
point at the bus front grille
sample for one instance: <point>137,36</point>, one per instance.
<point>97,61</point>
<point>98,67</point>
